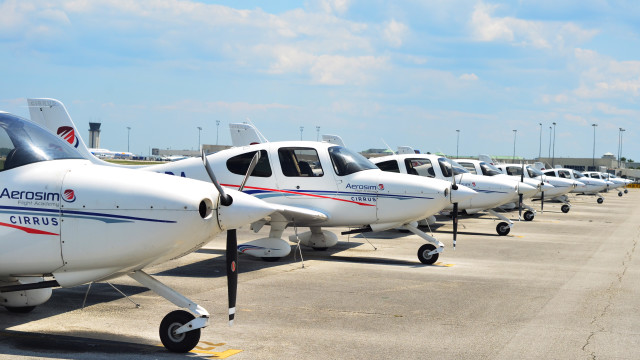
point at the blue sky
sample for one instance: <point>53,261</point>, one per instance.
<point>408,72</point>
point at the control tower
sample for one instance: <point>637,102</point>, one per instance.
<point>94,135</point>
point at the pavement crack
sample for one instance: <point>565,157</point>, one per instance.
<point>611,291</point>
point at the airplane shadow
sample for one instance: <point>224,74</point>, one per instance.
<point>56,346</point>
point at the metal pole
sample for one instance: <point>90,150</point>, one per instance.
<point>199,130</point>
<point>553,156</point>
<point>515,132</point>
<point>128,132</point>
<point>621,133</point>
<point>217,130</point>
<point>458,144</point>
<point>317,133</point>
<point>540,148</point>
<point>301,130</point>
<point>594,147</point>
<point>549,142</point>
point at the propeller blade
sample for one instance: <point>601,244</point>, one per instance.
<point>252,166</point>
<point>225,199</point>
<point>522,174</point>
<point>232,272</point>
<point>520,206</point>
<point>542,202</point>
<point>455,224</point>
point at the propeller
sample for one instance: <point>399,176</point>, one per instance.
<point>231,253</point>
<point>454,187</point>
<point>520,196</point>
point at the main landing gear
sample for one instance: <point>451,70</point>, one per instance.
<point>529,215</point>
<point>565,208</point>
<point>428,253</point>
<point>600,200</point>
<point>179,330</point>
<point>503,227</point>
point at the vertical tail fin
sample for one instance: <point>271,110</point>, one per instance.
<point>244,134</point>
<point>52,115</point>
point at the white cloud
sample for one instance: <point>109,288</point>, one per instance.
<point>469,77</point>
<point>577,119</point>
<point>604,77</point>
<point>537,34</point>
<point>394,32</point>
<point>340,70</point>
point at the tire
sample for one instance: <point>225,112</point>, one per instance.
<point>600,200</point>
<point>529,215</point>
<point>626,191</point>
<point>565,208</point>
<point>427,259</point>
<point>503,229</point>
<point>619,194</point>
<point>180,343</point>
<point>20,309</point>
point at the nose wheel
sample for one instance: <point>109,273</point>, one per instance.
<point>529,215</point>
<point>503,228</point>
<point>178,343</point>
<point>423,254</point>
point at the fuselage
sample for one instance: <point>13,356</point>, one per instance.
<point>591,186</point>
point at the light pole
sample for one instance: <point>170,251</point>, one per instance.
<point>217,130</point>
<point>549,142</point>
<point>317,133</point>
<point>515,132</point>
<point>458,144</point>
<point>128,132</point>
<point>199,130</point>
<point>593,158</point>
<point>620,145</point>
<point>540,148</point>
<point>553,156</point>
<point>301,130</point>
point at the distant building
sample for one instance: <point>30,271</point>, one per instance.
<point>94,135</point>
<point>208,149</point>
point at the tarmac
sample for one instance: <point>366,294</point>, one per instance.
<point>563,286</point>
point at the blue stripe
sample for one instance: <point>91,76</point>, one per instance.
<point>107,218</point>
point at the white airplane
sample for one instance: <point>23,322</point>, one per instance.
<point>485,168</point>
<point>613,182</point>
<point>314,184</point>
<point>560,187</point>
<point>66,222</point>
<point>492,192</point>
<point>591,186</point>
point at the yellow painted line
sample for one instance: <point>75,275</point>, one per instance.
<point>219,355</point>
<point>211,345</point>
<point>443,264</point>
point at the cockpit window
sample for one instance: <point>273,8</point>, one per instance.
<point>346,162</point>
<point>469,167</point>
<point>595,176</point>
<point>533,172</point>
<point>22,143</point>
<point>300,162</point>
<point>446,164</point>
<point>550,173</point>
<point>422,167</point>
<point>239,164</point>
<point>577,175</point>
<point>489,170</point>
<point>389,166</point>
<point>564,174</point>
<point>514,170</point>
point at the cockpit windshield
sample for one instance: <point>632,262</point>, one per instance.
<point>346,162</point>
<point>489,170</point>
<point>533,172</point>
<point>22,143</point>
<point>577,174</point>
<point>446,164</point>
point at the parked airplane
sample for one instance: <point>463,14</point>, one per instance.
<point>560,187</point>
<point>592,186</point>
<point>314,184</point>
<point>612,181</point>
<point>65,222</point>
<point>492,192</point>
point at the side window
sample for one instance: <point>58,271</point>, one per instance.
<point>390,166</point>
<point>6,148</point>
<point>239,164</point>
<point>469,166</point>
<point>514,170</point>
<point>564,174</point>
<point>300,162</point>
<point>550,173</point>
<point>422,167</point>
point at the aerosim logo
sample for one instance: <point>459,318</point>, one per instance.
<point>69,196</point>
<point>69,135</point>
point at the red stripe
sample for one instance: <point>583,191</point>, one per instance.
<point>299,193</point>
<point>28,230</point>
